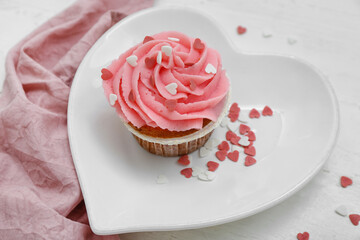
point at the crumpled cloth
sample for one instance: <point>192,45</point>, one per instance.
<point>40,197</point>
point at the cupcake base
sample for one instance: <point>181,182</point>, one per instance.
<point>174,149</point>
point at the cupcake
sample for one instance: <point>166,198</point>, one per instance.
<point>170,91</point>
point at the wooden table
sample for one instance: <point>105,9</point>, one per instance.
<point>328,36</point>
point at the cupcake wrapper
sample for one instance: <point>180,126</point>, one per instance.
<point>174,149</point>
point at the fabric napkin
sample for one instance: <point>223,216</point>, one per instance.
<point>40,197</point>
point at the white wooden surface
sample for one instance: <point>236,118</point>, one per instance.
<point>328,34</point>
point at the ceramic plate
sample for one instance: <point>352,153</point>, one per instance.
<point>118,177</point>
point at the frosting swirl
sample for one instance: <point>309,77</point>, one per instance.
<point>169,81</point>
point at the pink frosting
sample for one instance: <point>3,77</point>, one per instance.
<point>142,96</point>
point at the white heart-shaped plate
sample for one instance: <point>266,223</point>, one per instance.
<point>118,178</point>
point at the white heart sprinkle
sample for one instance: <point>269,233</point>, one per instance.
<point>174,39</point>
<point>203,176</point>
<point>236,147</point>
<point>267,33</point>
<point>167,50</point>
<point>212,143</point>
<point>210,175</point>
<point>196,171</point>
<point>210,68</point>
<point>171,88</point>
<point>224,122</point>
<point>132,60</point>
<point>112,99</point>
<point>233,126</point>
<point>243,117</point>
<point>203,152</point>
<point>244,141</point>
<point>342,210</point>
<point>159,58</point>
<point>162,179</point>
<point>291,40</point>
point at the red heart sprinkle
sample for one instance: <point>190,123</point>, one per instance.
<point>345,181</point>
<point>184,160</point>
<point>251,136</point>
<point>224,145</point>
<point>187,172</point>
<point>234,108</point>
<point>234,112</point>
<point>192,85</point>
<point>243,129</point>
<point>212,166</point>
<point>170,104</point>
<point>250,151</point>
<point>254,113</point>
<point>198,45</point>
<point>233,156</point>
<point>267,111</point>
<point>235,140</point>
<point>249,161</point>
<point>241,30</point>
<point>147,38</point>
<point>131,96</point>
<point>230,135</point>
<point>106,74</point>
<point>221,155</point>
<point>189,64</point>
<point>303,236</point>
<point>233,116</point>
<point>150,62</point>
<point>354,218</point>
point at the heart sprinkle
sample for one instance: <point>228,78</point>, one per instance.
<point>207,176</point>
<point>235,140</point>
<point>354,218</point>
<point>345,181</point>
<point>250,151</point>
<point>198,45</point>
<point>196,171</point>
<point>170,104</point>
<point>233,156</point>
<point>212,166</point>
<point>187,172</point>
<point>147,39</point>
<point>212,143</point>
<point>224,122</point>
<point>241,30</point>
<point>204,152</point>
<point>106,74</point>
<point>251,136</point>
<point>162,179</point>
<point>232,126</point>
<point>303,236</point>
<point>150,62</point>
<point>224,145</point>
<point>234,112</point>
<point>221,155</point>
<point>244,141</point>
<point>341,210</point>
<point>244,129</point>
<point>254,113</point>
<point>159,58</point>
<point>171,88</point>
<point>210,69</point>
<point>184,160</point>
<point>174,39</point>
<point>249,161</point>
<point>132,60</point>
<point>230,135</point>
<point>267,111</point>
<point>112,99</point>
<point>167,50</point>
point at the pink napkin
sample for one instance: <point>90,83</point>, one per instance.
<point>40,197</point>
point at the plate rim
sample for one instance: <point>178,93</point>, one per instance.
<point>215,221</point>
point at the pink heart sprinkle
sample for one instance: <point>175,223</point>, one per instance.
<point>233,156</point>
<point>251,136</point>
<point>303,236</point>
<point>241,30</point>
<point>345,181</point>
<point>184,160</point>
<point>243,129</point>
<point>249,161</point>
<point>230,135</point>
<point>150,62</point>
<point>224,145</point>
<point>198,45</point>
<point>235,140</point>
<point>254,113</point>
<point>250,151</point>
<point>221,155</point>
<point>267,111</point>
<point>212,166</point>
<point>187,172</point>
<point>170,104</point>
<point>106,74</point>
<point>354,218</point>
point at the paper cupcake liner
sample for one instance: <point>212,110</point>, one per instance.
<point>181,145</point>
